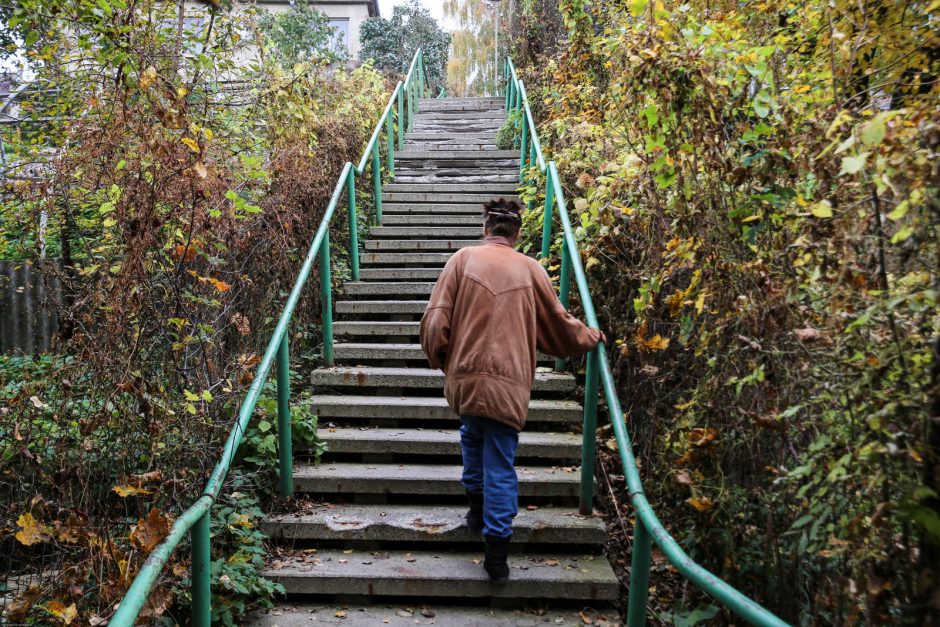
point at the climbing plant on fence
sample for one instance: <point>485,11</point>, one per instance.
<point>183,188</point>
<point>756,188</point>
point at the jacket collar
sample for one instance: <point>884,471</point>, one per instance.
<point>497,240</point>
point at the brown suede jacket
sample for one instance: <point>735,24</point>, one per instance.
<point>491,309</point>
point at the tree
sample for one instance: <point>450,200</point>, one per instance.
<point>303,33</point>
<point>474,67</point>
<point>392,43</point>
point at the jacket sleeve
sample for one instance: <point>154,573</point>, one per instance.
<point>435,323</point>
<point>558,332</point>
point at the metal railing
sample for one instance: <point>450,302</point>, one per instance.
<point>648,529</point>
<point>195,519</point>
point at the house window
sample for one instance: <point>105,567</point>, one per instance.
<point>340,34</point>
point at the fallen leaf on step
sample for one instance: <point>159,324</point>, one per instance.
<point>405,613</point>
<point>341,614</point>
<point>428,613</point>
<point>532,508</point>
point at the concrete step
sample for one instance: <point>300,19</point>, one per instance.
<point>364,376</point>
<point>430,408</point>
<point>469,155</point>
<point>422,575</point>
<point>429,479</point>
<point>458,188</point>
<point>444,197</point>
<point>404,615</point>
<point>396,288</point>
<point>375,328</point>
<point>428,523</point>
<point>419,245</point>
<point>427,259</point>
<point>450,114</point>
<point>399,274</point>
<point>351,351</point>
<point>427,232</point>
<point>444,175</point>
<point>557,446</point>
<point>445,148</point>
<point>381,306</point>
<point>430,219</point>
<point>433,209</point>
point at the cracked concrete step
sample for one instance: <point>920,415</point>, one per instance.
<point>426,232</point>
<point>404,615</point>
<point>399,274</point>
<point>375,328</point>
<point>449,114</point>
<point>436,259</point>
<point>430,408</point>
<point>401,352</point>
<point>467,126</point>
<point>469,188</point>
<point>417,245</point>
<point>430,479</point>
<point>429,219</point>
<point>443,197</point>
<point>428,523</point>
<point>446,147</point>
<point>422,574</point>
<point>381,306</point>
<point>470,155</point>
<point>435,209</point>
<point>504,175</point>
<point>392,288</point>
<point>557,446</point>
<point>365,376</point>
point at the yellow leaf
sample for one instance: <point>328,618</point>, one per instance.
<point>700,302</point>
<point>31,530</point>
<point>191,143</point>
<point>822,209</point>
<point>63,613</point>
<point>148,77</point>
<point>655,343</point>
<point>125,491</point>
<point>181,92</point>
<point>802,89</point>
<point>200,169</point>
<point>701,504</point>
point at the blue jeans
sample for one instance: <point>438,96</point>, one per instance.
<point>489,454</point>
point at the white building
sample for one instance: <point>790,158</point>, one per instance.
<point>346,16</point>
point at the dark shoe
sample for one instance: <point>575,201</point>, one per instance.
<point>495,554</point>
<point>475,515</point>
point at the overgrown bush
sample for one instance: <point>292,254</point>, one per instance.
<point>755,187</point>
<point>184,175</point>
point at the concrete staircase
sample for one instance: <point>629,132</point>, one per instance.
<point>382,539</point>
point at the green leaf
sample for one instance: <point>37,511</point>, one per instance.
<point>190,396</point>
<point>822,209</point>
<point>903,233</point>
<point>851,165</point>
<point>873,131</point>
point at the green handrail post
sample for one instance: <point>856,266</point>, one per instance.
<point>525,150</point>
<point>421,76</point>
<point>411,103</point>
<point>547,216</point>
<point>589,437</point>
<point>353,224</point>
<point>400,118</point>
<point>285,452</point>
<point>639,575</point>
<point>326,299</point>
<point>564,291</point>
<point>390,141</point>
<point>200,585</point>
<point>377,182</point>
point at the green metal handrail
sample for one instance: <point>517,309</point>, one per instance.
<point>196,518</point>
<point>648,529</point>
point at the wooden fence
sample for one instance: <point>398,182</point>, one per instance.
<point>28,300</point>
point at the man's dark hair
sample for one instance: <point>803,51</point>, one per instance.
<point>502,217</point>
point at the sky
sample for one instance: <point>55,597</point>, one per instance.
<point>436,7</point>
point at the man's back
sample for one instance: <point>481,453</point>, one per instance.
<point>491,309</point>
